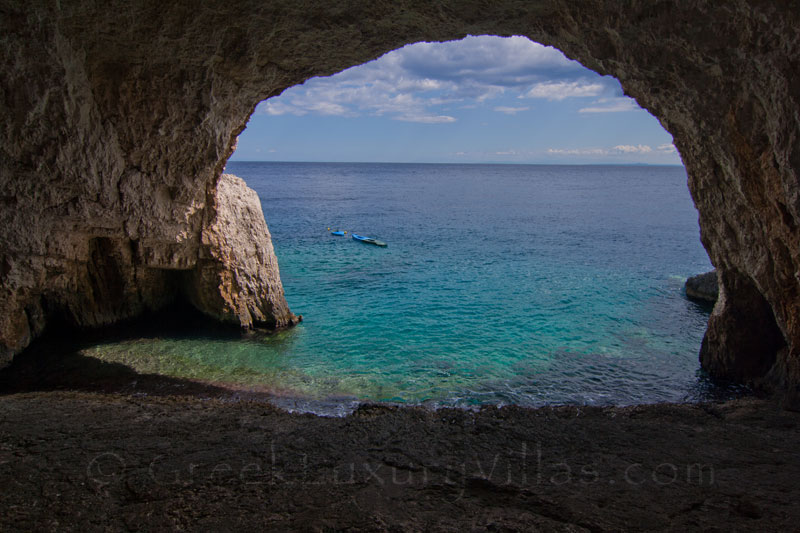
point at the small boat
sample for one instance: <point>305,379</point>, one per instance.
<point>368,240</point>
<point>338,232</point>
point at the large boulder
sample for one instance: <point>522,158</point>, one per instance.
<point>703,287</point>
<point>236,278</point>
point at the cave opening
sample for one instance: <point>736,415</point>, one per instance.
<point>134,179</point>
<point>547,271</point>
<point>118,121</point>
<point>298,153</point>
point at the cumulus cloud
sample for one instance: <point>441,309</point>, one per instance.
<point>328,108</point>
<point>482,62</point>
<point>562,89</point>
<point>426,119</point>
<point>420,82</point>
<point>632,149</point>
<point>280,107</point>
<point>577,151</point>
<point>667,149</point>
<point>611,105</point>
<point>508,110</point>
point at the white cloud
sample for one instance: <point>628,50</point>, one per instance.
<point>279,107</point>
<point>620,149</point>
<point>561,90</point>
<point>481,62</point>
<point>428,84</point>
<point>632,149</point>
<point>612,105</point>
<point>420,82</point>
<point>510,110</point>
<point>577,151</point>
<point>328,108</point>
<point>426,119</point>
<point>668,148</point>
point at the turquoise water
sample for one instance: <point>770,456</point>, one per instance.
<point>500,284</point>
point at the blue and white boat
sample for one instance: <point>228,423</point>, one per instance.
<point>368,240</point>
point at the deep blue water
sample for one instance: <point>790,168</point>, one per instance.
<point>500,284</point>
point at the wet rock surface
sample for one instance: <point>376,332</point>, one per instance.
<point>80,461</point>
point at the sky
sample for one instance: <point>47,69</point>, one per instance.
<point>478,100</point>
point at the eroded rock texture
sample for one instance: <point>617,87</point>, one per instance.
<point>236,277</point>
<point>119,116</point>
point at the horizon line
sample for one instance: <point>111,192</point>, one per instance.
<point>629,164</point>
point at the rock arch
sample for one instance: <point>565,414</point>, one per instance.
<point>118,119</point>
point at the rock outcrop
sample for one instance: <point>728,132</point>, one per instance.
<point>118,117</point>
<point>703,287</point>
<point>229,272</point>
<point>236,277</point>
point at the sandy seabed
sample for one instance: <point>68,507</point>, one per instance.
<point>87,461</point>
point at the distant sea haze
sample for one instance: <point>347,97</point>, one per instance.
<point>500,284</point>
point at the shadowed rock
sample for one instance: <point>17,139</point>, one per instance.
<point>90,461</point>
<point>703,287</point>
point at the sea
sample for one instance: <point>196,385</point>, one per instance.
<point>529,285</point>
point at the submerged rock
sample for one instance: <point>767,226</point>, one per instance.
<point>703,287</point>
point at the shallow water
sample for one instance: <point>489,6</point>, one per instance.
<point>501,284</point>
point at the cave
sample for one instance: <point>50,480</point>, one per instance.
<point>119,120</point>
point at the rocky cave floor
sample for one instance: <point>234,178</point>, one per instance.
<point>85,460</point>
<point>87,445</point>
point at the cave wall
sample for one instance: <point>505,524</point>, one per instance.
<point>118,118</point>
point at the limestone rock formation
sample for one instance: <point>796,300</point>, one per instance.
<point>119,116</point>
<point>230,272</point>
<point>236,278</point>
<point>703,287</point>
